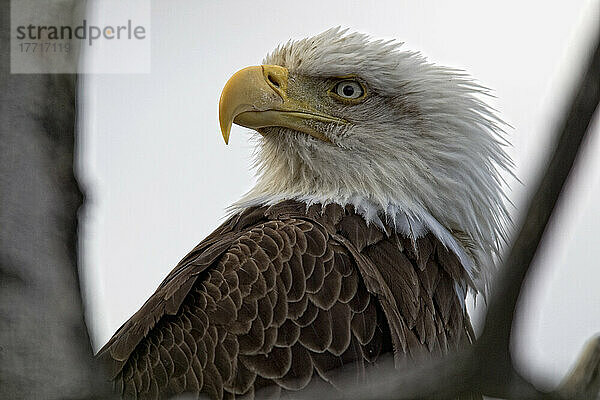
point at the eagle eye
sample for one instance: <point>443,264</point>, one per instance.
<point>349,90</point>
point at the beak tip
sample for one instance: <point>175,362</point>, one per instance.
<point>226,137</point>
<point>225,125</point>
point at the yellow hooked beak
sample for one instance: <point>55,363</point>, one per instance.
<point>256,97</point>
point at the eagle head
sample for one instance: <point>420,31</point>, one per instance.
<point>345,119</point>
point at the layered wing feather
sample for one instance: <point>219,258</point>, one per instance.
<point>281,297</point>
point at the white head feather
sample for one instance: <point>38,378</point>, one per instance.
<point>423,151</point>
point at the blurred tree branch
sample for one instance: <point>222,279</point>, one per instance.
<point>584,380</point>
<point>45,351</point>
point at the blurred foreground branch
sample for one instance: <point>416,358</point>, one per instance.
<point>584,380</point>
<point>45,352</point>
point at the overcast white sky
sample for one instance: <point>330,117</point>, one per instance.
<point>158,176</point>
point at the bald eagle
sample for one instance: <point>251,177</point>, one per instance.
<point>379,204</point>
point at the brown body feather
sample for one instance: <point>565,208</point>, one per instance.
<point>279,297</point>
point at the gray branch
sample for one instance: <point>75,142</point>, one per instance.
<point>45,351</point>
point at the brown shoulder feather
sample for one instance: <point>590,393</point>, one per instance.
<point>278,298</point>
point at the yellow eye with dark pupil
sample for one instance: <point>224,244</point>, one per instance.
<point>349,89</point>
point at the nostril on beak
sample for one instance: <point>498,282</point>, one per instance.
<point>273,80</point>
<point>277,78</point>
